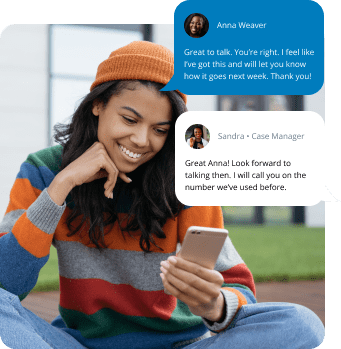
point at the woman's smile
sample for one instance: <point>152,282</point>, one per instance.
<point>197,134</point>
<point>129,153</point>
<point>134,125</point>
<point>196,25</point>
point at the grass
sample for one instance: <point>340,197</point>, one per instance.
<point>281,253</point>
<point>48,279</point>
<point>273,215</point>
<point>273,253</point>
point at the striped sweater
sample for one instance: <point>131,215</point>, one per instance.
<point>112,298</point>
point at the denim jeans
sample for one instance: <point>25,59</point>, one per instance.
<point>262,325</point>
<point>269,326</point>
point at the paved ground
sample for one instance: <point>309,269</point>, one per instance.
<point>308,293</point>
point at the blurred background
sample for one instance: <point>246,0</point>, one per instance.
<point>45,71</point>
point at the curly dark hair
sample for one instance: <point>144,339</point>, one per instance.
<point>189,19</point>
<point>201,128</point>
<point>152,189</point>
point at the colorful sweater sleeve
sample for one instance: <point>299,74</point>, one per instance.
<point>27,228</point>
<point>238,288</point>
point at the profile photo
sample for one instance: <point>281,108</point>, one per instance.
<point>196,25</point>
<point>197,136</point>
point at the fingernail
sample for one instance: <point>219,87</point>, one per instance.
<point>163,269</point>
<point>165,264</point>
<point>172,259</point>
<point>130,180</point>
<point>162,276</point>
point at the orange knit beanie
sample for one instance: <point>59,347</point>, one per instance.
<point>140,60</point>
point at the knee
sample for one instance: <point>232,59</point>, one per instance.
<point>8,300</point>
<point>6,296</point>
<point>306,326</point>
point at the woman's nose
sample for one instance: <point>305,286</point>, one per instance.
<point>140,137</point>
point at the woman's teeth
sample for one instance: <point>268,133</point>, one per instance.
<point>129,153</point>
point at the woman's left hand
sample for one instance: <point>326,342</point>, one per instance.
<point>200,146</point>
<point>194,285</point>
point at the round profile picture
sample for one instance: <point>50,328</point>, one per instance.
<point>197,136</point>
<point>196,25</point>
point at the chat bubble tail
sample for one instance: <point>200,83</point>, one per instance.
<point>327,196</point>
<point>171,86</point>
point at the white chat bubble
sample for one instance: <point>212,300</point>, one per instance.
<point>252,159</point>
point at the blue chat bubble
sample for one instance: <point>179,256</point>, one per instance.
<point>250,48</point>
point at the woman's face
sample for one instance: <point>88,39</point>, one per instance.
<point>196,25</point>
<point>134,126</point>
<point>197,134</point>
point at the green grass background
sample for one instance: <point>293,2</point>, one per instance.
<point>272,253</point>
<point>281,253</point>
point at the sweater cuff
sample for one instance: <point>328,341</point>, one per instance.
<point>231,304</point>
<point>44,213</point>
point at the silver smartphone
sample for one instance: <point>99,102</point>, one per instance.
<point>202,245</point>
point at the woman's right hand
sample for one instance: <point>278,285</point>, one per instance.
<point>94,164</point>
<point>191,142</point>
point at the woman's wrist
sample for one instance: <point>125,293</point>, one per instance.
<point>59,189</point>
<point>219,312</point>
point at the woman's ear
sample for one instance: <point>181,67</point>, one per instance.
<point>96,107</point>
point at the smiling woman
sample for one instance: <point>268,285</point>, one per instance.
<point>196,140</point>
<point>134,125</point>
<point>104,197</point>
<point>196,25</point>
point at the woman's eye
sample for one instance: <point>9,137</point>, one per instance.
<point>161,131</point>
<point>129,120</point>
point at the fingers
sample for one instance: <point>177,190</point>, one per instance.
<point>196,269</point>
<point>190,300</point>
<point>97,154</point>
<point>199,303</point>
<point>196,281</point>
<point>113,173</point>
<point>124,177</point>
<point>106,165</point>
<point>109,185</point>
<point>187,289</point>
<point>202,297</point>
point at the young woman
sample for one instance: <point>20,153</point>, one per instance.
<point>196,25</point>
<point>196,141</point>
<point>105,199</point>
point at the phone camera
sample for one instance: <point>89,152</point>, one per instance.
<point>198,232</point>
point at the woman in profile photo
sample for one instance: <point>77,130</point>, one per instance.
<point>196,25</point>
<point>196,141</point>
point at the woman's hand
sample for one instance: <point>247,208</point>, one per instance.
<point>95,163</point>
<point>191,142</point>
<point>194,285</point>
<point>200,146</point>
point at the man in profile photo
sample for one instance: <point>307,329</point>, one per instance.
<point>196,25</point>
